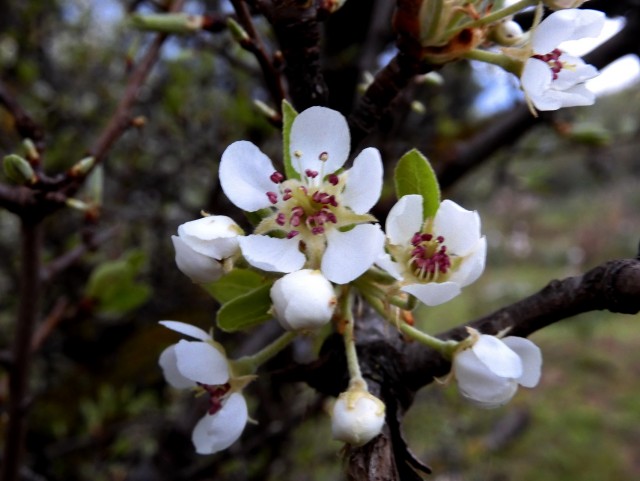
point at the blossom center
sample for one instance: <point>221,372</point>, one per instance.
<point>552,59</point>
<point>306,205</point>
<point>217,394</point>
<point>429,258</point>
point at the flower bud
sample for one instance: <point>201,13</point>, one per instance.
<point>176,23</point>
<point>358,417</point>
<point>18,170</point>
<point>203,245</point>
<point>507,33</point>
<point>303,300</point>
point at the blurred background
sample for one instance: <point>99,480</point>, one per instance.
<point>554,203</point>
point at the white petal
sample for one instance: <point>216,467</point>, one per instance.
<point>478,384</point>
<point>563,25</point>
<point>472,266</point>
<point>575,72</point>
<point>497,357</point>
<point>393,268</point>
<point>536,82</point>
<point>357,418</point>
<point>364,181</point>
<point>199,268</point>
<point>201,362</point>
<point>169,364</point>
<point>187,329</point>
<point>459,227</point>
<point>244,176</point>
<point>531,359</point>
<point>216,432</point>
<point>404,219</point>
<point>272,254</point>
<point>433,293</point>
<point>316,131</point>
<point>349,254</point>
<point>214,236</point>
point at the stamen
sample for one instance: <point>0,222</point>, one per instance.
<point>333,179</point>
<point>276,177</point>
<point>312,174</point>
<point>273,197</point>
<point>324,156</point>
<point>297,153</point>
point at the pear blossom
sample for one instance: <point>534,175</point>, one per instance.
<point>357,417</point>
<point>318,221</point>
<point>202,364</point>
<point>303,300</point>
<point>436,258</point>
<point>551,78</point>
<point>203,245</point>
<point>489,370</point>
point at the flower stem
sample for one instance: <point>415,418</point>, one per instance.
<point>346,307</point>
<point>250,364</point>
<point>445,348</point>
<point>507,63</point>
<point>492,17</point>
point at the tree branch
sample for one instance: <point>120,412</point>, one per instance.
<point>21,356</point>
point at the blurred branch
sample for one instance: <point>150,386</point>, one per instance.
<point>21,356</point>
<point>255,45</point>
<point>25,125</point>
<point>120,122</point>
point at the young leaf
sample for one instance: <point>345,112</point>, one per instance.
<point>414,175</point>
<point>288,115</point>
<point>245,311</point>
<point>236,283</point>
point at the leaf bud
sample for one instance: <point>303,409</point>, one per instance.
<point>18,170</point>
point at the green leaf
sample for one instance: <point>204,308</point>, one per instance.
<point>288,115</point>
<point>245,311</point>
<point>113,284</point>
<point>414,175</point>
<point>236,283</point>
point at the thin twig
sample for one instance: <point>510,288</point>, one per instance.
<point>255,45</point>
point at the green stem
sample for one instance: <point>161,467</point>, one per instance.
<point>346,306</point>
<point>249,364</point>
<point>492,17</point>
<point>446,348</point>
<point>507,63</point>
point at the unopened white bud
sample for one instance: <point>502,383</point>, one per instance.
<point>358,417</point>
<point>303,300</point>
<point>203,245</point>
<point>507,33</point>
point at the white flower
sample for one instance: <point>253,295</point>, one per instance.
<point>357,417</point>
<point>189,364</point>
<point>202,245</point>
<point>435,258</point>
<point>303,300</point>
<point>309,214</point>
<point>489,371</point>
<point>552,79</point>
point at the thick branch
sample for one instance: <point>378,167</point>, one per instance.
<point>388,83</point>
<point>298,32</point>
<point>613,286</point>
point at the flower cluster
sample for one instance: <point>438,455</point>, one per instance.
<point>316,246</point>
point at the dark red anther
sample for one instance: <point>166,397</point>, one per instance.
<point>273,197</point>
<point>333,179</point>
<point>276,177</point>
<point>311,173</point>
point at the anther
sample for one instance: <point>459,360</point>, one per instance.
<point>273,197</point>
<point>276,177</point>
<point>324,156</point>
